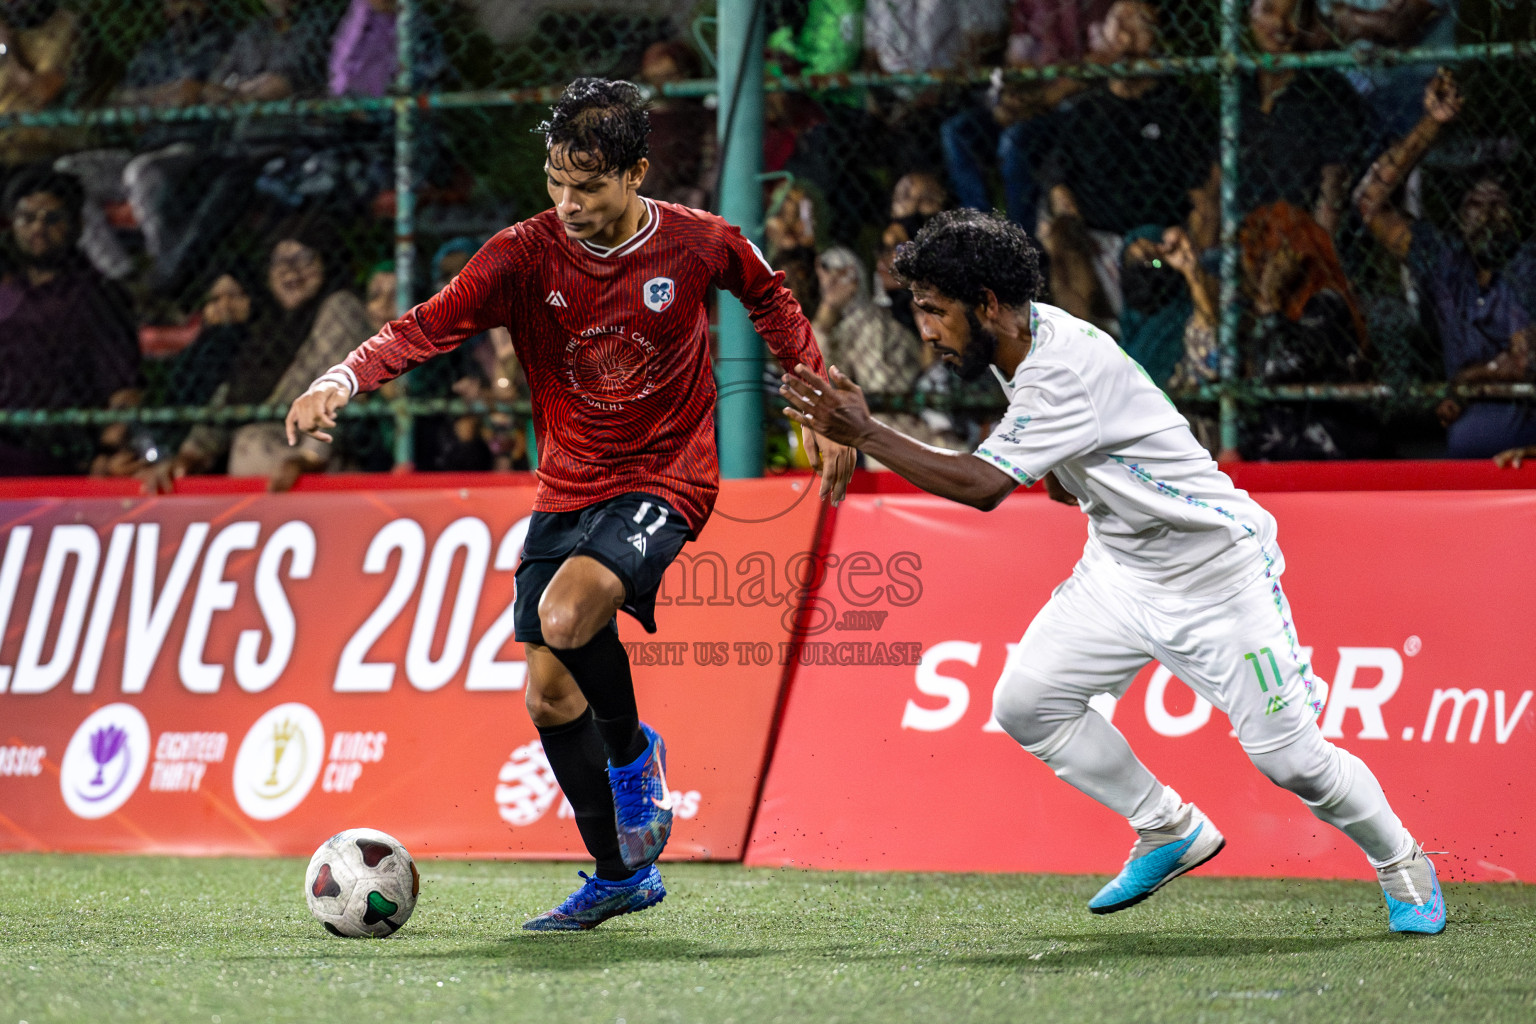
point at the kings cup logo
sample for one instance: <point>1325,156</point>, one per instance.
<point>659,293</point>
<point>278,762</point>
<point>104,761</point>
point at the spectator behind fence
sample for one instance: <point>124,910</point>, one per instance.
<point>1016,122</point>
<point>277,55</point>
<point>41,44</point>
<point>67,337</point>
<point>1127,154</point>
<point>1169,320</point>
<point>1468,277</point>
<point>914,201</point>
<point>913,36</point>
<point>829,41</point>
<point>1391,91</point>
<point>1308,330</point>
<point>682,129</point>
<point>483,368</point>
<point>307,322</point>
<point>171,69</point>
<point>365,56</point>
<point>865,342</point>
<point>1160,300</point>
<point>1301,129</point>
<point>228,309</point>
<point>918,36</point>
<point>797,219</point>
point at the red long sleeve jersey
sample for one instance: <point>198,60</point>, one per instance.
<point>615,343</point>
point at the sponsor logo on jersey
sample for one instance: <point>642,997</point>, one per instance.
<point>104,761</point>
<point>609,365</point>
<point>638,540</point>
<point>279,761</point>
<point>659,293</point>
<point>526,786</point>
<point>557,300</point>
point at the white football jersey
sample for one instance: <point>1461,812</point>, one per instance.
<point>1155,499</point>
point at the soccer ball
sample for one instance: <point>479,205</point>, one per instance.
<point>361,882</point>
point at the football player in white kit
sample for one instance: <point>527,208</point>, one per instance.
<point>1180,565</point>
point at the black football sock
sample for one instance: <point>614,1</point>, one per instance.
<point>576,754</point>
<point>601,669</point>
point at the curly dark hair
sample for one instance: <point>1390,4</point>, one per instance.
<point>963,253</point>
<point>603,125</point>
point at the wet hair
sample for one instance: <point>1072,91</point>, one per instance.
<point>964,253</point>
<point>66,188</point>
<point>603,125</point>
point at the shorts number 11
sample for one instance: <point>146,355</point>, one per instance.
<point>1258,668</point>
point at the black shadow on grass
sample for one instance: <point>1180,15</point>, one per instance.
<point>1091,950</point>
<point>543,952</point>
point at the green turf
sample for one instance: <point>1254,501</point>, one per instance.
<point>229,941</point>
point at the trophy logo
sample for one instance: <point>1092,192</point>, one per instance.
<point>279,761</point>
<point>104,761</point>
<point>106,744</point>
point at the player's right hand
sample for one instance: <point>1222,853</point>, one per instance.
<point>314,409</point>
<point>1513,458</point>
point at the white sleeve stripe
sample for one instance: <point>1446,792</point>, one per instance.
<point>339,376</point>
<point>1006,465</point>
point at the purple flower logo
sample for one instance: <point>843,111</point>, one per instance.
<point>104,761</point>
<point>106,743</point>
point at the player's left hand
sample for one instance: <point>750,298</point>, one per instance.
<point>834,462</point>
<point>1056,491</point>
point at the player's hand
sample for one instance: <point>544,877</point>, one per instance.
<point>1513,457</point>
<point>314,409</point>
<point>832,461</point>
<point>1056,492</point>
<point>1442,99</point>
<point>837,411</point>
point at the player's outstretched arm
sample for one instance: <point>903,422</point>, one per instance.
<point>837,411</point>
<point>314,409</point>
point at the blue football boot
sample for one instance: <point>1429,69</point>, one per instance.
<point>599,899</point>
<point>1160,856</point>
<point>1412,891</point>
<point>642,803</point>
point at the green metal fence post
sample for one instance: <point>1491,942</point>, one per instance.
<point>1231,314</point>
<point>740,119</point>
<point>405,208</point>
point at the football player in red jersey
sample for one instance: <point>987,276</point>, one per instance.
<point>605,294</point>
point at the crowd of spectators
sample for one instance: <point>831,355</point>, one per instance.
<point>220,261</point>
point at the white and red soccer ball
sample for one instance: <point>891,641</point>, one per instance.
<point>361,882</point>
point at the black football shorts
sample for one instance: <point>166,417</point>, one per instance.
<point>636,535</point>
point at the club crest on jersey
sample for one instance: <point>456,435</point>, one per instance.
<point>659,293</point>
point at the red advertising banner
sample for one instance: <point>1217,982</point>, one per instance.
<point>1417,608</point>
<point>250,673</point>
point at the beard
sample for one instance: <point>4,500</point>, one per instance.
<point>48,259</point>
<point>1493,249</point>
<point>980,352</point>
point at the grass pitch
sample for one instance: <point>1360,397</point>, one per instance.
<point>230,941</point>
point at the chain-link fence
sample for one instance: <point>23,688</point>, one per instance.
<point>1275,207</point>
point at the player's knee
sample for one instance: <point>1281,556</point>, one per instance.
<point>1025,709</point>
<point>562,625</point>
<point>1310,767</point>
<point>549,707</point>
